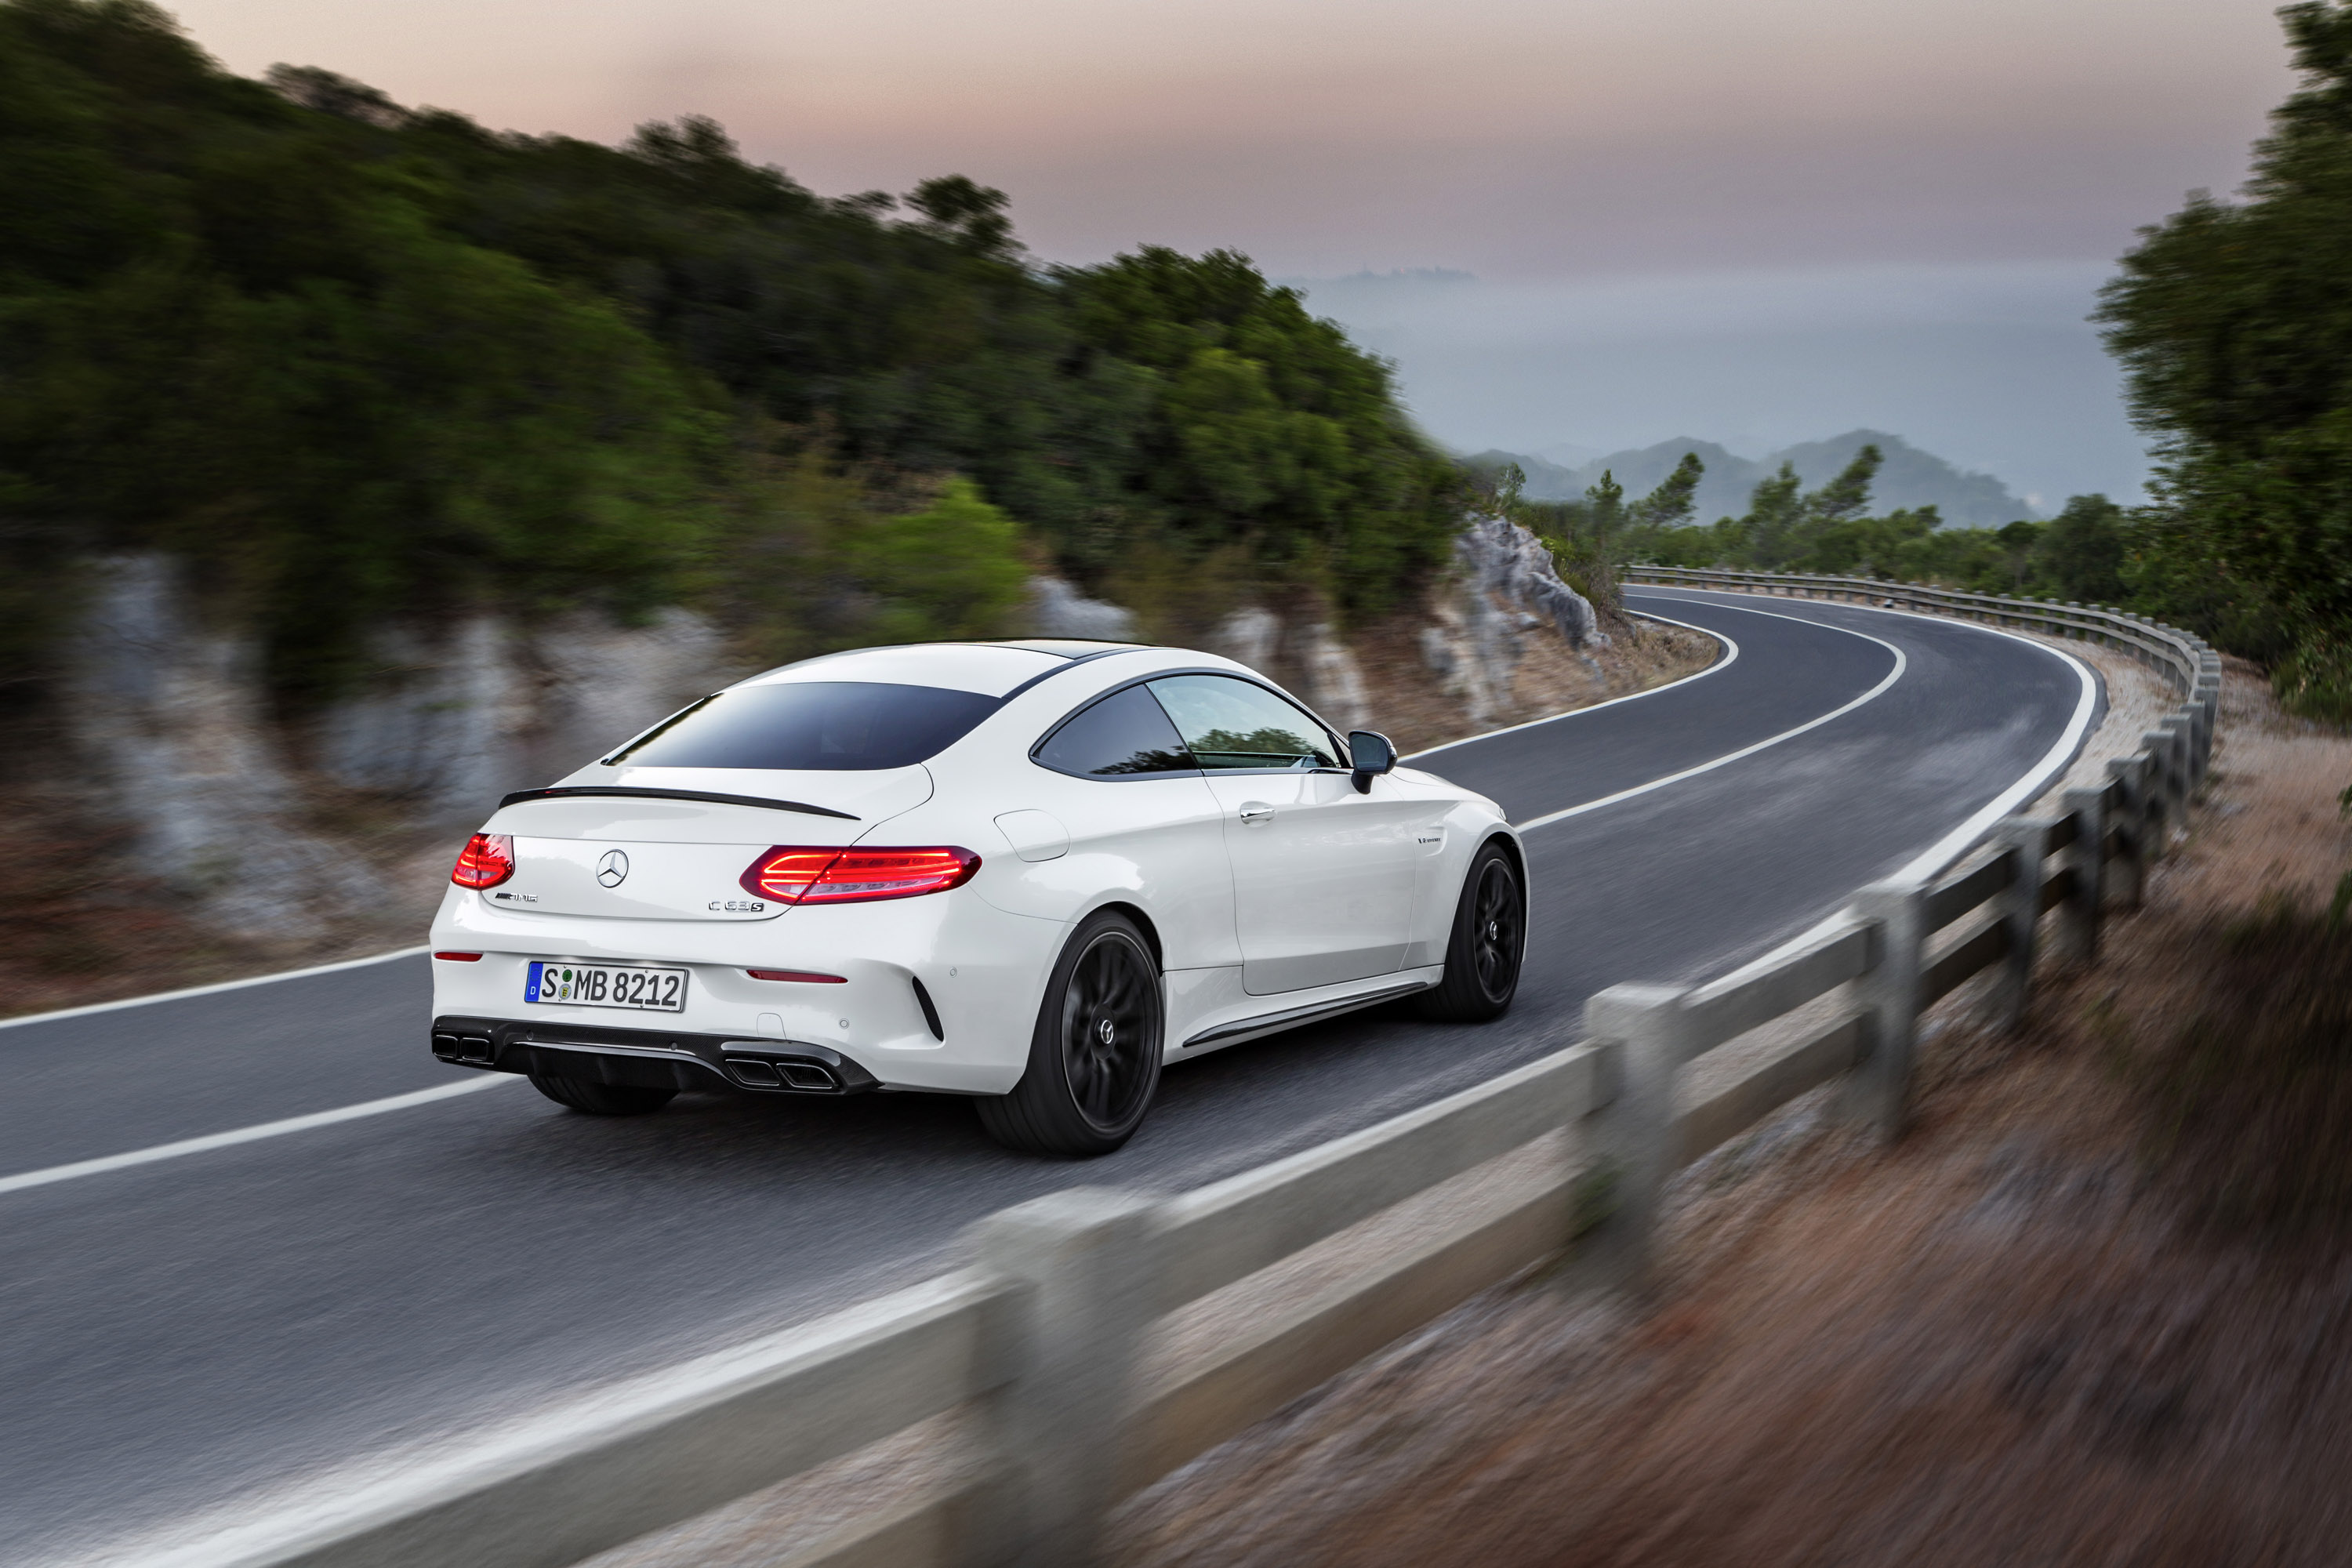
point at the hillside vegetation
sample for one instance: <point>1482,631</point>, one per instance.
<point>1907,478</point>
<point>354,362</point>
<point>2083,553</point>
<point>2233,322</point>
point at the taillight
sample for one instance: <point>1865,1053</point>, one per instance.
<point>488,859</point>
<point>792,875</point>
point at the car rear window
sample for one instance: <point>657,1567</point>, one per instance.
<point>813,726</point>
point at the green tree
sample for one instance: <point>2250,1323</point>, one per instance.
<point>954,569</point>
<point>2233,322</point>
<point>2083,552</point>
<point>1269,427</point>
<point>1671,505</point>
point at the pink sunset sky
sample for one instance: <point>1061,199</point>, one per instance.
<point>1677,211</point>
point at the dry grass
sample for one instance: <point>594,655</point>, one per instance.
<point>2009,1339</point>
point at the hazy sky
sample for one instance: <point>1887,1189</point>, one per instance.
<point>1935,164</point>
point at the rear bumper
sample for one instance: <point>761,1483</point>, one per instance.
<point>647,1058</point>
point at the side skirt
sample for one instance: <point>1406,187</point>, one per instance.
<point>1234,1031</point>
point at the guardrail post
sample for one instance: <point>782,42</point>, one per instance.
<point>2166,804</point>
<point>2087,859</point>
<point>2183,731</point>
<point>1878,1092</point>
<point>2127,816</point>
<point>2025,838</point>
<point>2191,723</point>
<point>1646,1031</point>
<point>1090,1258</point>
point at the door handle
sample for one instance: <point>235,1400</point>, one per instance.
<point>1257,811</point>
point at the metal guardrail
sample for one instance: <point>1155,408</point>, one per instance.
<point>2181,656</point>
<point>1041,1340</point>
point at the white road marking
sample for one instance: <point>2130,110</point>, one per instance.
<point>1730,657</point>
<point>2036,779</point>
<point>1901,664</point>
<point>208,990</point>
<point>1960,840</point>
<point>251,1134</point>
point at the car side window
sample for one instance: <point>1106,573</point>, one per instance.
<point>1232,724</point>
<point>1125,735</point>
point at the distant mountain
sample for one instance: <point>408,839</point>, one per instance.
<point>1909,477</point>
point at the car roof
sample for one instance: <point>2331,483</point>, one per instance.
<point>990,669</point>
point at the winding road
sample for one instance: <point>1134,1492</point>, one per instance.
<point>188,1334</point>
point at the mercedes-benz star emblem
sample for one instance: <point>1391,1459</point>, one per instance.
<point>613,868</point>
<point>1107,1032</point>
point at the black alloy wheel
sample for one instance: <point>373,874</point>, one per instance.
<point>1094,1057</point>
<point>1488,942</point>
<point>1497,928</point>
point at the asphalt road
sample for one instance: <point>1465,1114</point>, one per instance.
<point>184,1336</point>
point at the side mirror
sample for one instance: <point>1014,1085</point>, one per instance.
<point>1374,754</point>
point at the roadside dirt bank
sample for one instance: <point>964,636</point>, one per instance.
<point>2007,1338</point>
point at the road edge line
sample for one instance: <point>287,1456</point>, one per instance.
<point>1730,657</point>
<point>52,1175</point>
<point>1902,663</point>
<point>186,991</point>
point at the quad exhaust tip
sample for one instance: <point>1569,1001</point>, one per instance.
<point>759,1072</point>
<point>463,1047</point>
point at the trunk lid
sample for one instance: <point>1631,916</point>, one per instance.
<point>663,854</point>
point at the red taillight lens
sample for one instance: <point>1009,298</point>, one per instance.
<point>795,875</point>
<point>488,859</point>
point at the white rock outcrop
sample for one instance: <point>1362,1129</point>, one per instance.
<point>169,717</point>
<point>1505,587</point>
<point>456,716</point>
<point>1057,609</point>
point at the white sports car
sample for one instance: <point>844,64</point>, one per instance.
<point>1030,872</point>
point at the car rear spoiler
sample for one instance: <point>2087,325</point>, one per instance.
<point>565,791</point>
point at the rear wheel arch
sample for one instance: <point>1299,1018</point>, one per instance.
<point>1142,923</point>
<point>1077,1096</point>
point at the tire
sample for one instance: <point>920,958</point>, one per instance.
<point>1094,1056</point>
<point>602,1099</point>
<point>1488,942</point>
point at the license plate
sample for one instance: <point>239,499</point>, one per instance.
<point>634,986</point>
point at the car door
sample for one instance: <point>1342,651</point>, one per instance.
<point>1323,876</point>
<point>1115,803</point>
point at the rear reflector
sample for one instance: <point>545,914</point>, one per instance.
<point>804,976</point>
<point>459,957</point>
<point>795,875</point>
<point>487,860</point>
